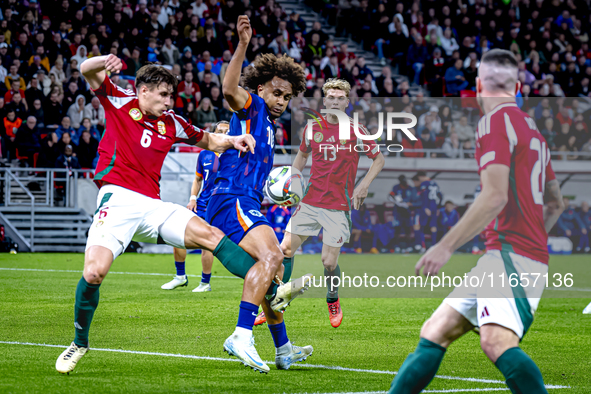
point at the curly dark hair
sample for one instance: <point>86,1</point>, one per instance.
<point>267,66</point>
<point>153,75</point>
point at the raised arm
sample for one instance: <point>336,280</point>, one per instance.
<point>553,204</point>
<point>95,68</point>
<point>235,95</point>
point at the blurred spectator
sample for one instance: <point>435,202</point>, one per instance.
<point>15,87</point>
<point>361,223</point>
<point>27,141</point>
<point>66,127</point>
<point>451,146</point>
<point>53,111</point>
<point>454,79</point>
<point>170,53</point>
<point>585,215</point>
<point>67,159</point>
<point>417,57</point>
<point>571,225</point>
<point>96,113</point>
<point>11,125</point>
<point>464,131</point>
<point>36,110</point>
<point>447,218</point>
<point>204,115</point>
<point>76,111</point>
<point>86,125</point>
<point>184,98</point>
<point>33,92</point>
<point>87,150</point>
<point>66,139</point>
<point>13,76</point>
<point>49,151</point>
<point>80,55</point>
<point>19,105</point>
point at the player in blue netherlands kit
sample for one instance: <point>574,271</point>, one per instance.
<point>426,215</point>
<point>205,174</point>
<point>236,199</point>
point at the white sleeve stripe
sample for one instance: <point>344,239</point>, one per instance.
<point>487,158</point>
<point>180,131</point>
<point>510,133</point>
<point>119,102</point>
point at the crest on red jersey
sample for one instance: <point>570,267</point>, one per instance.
<point>135,114</point>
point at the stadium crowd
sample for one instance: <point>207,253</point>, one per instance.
<point>46,105</point>
<point>50,117</point>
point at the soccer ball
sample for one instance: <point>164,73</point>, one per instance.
<point>285,186</point>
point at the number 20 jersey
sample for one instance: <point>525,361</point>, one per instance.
<point>134,146</point>
<point>508,136</point>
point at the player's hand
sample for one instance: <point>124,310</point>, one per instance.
<point>568,233</point>
<point>113,64</point>
<point>192,205</point>
<point>244,143</point>
<point>584,231</point>
<point>359,196</point>
<point>244,29</point>
<point>428,211</point>
<point>432,261</point>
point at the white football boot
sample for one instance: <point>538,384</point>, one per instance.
<point>295,355</point>
<point>242,347</point>
<point>177,281</point>
<point>67,361</point>
<point>286,292</point>
<point>202,288</point>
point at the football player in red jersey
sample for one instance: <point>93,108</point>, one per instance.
<point>140,132</point>
<point>331,190</point>
<point>519,203</point>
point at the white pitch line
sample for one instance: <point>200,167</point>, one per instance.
<point>111,272</point>
<point>330,367</point>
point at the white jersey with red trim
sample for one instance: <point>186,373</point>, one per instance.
<point>134,145</point>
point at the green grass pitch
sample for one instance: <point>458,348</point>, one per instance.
<point>135,315</point>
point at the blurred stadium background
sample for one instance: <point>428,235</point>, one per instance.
<point>421,56</point>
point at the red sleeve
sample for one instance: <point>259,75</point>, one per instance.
<point>374,149</point>
<point>549,170</point>
<point>112,95</point>
<point>185,132</point>
<point>306,146</point>
<point>496,140</point>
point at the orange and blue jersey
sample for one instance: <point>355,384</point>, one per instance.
<point>235,203</point>
<point>244,174</point>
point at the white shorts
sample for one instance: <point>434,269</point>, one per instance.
<point>510,302</point>
<point>308,220</point>
<point>124,215</point>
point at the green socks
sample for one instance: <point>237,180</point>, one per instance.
<point>87,299</point>
<point>522,375</point>
<point>418,369</point>
<point>233,257</point>
<point>238,262</point>
<point>332,294</point>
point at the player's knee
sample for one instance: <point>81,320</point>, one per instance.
<point>286,249</point>
<point>329,264</point>
<point>273,259</point>
<point>215,235</point>
<point>490,346</point>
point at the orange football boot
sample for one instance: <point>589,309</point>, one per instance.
<point>335,313</point>
<point>261,319</point>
